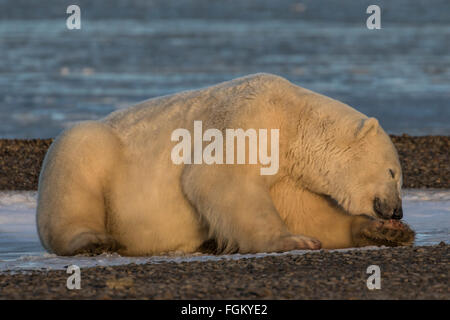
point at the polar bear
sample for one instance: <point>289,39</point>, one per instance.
<point>110,185</point>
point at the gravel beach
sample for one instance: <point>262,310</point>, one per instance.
<point>406,273</point>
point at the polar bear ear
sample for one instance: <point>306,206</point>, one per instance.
<point>367,126</point>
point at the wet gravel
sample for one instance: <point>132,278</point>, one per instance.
<point>20,163</point>
<point>406,273</point>
<point>425,161</point>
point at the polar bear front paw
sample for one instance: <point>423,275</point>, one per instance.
<point>389,233</point>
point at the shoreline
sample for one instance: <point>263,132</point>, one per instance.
<point>424,160</point>
<point>406,273</point>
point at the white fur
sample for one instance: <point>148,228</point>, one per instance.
<point>114,179</point>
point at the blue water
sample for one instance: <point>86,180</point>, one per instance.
<point>126,52</point>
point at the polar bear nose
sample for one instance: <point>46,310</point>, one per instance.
<point>398,213</point>
<point>385,211</point>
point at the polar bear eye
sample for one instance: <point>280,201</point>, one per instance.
<point>392,173</point>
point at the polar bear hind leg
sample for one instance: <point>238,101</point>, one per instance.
<point>73,188</point>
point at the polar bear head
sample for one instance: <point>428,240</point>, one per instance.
<point>358,167</point>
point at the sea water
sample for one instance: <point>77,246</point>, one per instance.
<point>52,77</point>
<point>426,211</point>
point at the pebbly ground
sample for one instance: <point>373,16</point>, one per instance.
<point>406,273</point>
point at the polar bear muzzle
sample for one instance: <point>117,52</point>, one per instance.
<point>386,211</point>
